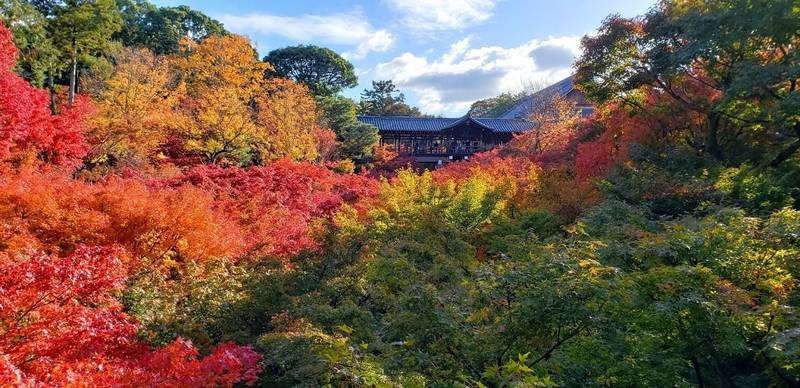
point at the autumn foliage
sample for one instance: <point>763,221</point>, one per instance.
<point>29,131</point>
<point>136,108</point>
<point>68,248</point>
<point>54,214</point>
<point>61,325</point>
<point>191,224</point>
<point>279,207</point>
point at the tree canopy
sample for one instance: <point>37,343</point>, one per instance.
<point>192,225</point>
<point>384,99</point>
<point>494,106</point>
<point>357,140</point>
<point>38,55</point>
<point>83,28</point>
<point>720,59</point>
<point>321,69</point>
<point>161,29</point>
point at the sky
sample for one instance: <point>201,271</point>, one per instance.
<point>443,54</point>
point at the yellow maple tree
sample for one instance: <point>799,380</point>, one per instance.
<point>287,121</point>
<point>223,77</point>
<point>136,107</point>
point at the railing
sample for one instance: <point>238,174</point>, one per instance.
<point>445,154</point>
<point>441,151</point>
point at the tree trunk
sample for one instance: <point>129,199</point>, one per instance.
<point>52,87</point>
<point>712,137</point>
<point>785,154</point>
<point>73,73</point>
<point>696,367</point>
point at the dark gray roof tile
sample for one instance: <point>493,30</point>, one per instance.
<point>406,123</point>
<point>435,124</point>
<point>506,125</point>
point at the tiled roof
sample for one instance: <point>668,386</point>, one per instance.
<point>525,106</point>
<point>506,125</point>
<point>435,124</point>
<point>406,123</point>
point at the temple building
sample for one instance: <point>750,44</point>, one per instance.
<point>433,141</point>
<point>440,140</point>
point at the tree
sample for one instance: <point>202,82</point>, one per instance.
<point>718,59</point>
<point>495,106</point>
<point>136,108</point>
<point>321,69</point>
<point>281,205</point>
<point>83,27</point>
<point>335,111</point>
<point>556,121</point>
<point>287,118</point>
<point>161,29</point>
<point>28,128</point>
<point>326,144</point>
<point>219,100</point>
<point>358,141</point>
<point>38,56</point>
<point>234,113</point>
<point>62,325</point>
<point>50,212</point>
<point>382,101</point>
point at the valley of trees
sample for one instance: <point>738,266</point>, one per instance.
<point>176,212</point>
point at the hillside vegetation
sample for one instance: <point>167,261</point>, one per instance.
<point>191,218</point>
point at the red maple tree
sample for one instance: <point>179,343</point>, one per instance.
<point>280,206</point>
<point>60,324</point>
<point>28,129</point>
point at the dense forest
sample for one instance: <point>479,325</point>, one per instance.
<point>175,211</point>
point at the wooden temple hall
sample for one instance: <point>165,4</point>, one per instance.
<point>440,140</point>
<point>434,141</point>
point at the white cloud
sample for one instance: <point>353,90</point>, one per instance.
<point>449,84</point>
<point>431,15</point>
<point>349,29</point>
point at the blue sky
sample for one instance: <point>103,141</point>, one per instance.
<point>443,54</point>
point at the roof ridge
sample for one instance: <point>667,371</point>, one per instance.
<point>406,117</point>
<point>554,88</point>
<point>444,118</point>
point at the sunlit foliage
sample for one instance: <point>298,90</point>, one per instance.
<point>136,108</point>
<point>28,129</point>
<point>241,231</point>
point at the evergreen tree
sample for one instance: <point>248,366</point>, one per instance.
<point>83,28</point>
<point>321,69</point>
<point>385,100</point>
